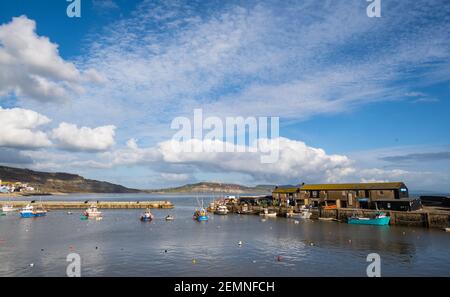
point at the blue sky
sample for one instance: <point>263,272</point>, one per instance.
<point>359,98</point>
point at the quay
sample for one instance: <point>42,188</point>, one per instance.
<point>426,217</point>
<point>100,204</point>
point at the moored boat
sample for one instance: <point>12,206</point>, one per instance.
<point>29,212</point>
<point>267,213</point>
<point>147,216</point>
<point>200,215</point>
<point>169,218</point>
<point>379,219</point>
<point>221,210</point>
<point>305,213</point>
<point>92,212</point>
<point>8,208</point>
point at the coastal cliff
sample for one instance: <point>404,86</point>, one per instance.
<point>59,182</point>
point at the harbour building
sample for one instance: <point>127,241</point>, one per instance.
<point>386,195</point>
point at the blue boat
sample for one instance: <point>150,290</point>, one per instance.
<point>29,212</point>
<point>200,215</point>
<point>380,219</point>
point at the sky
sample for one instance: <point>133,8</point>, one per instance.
<point>359,99</point>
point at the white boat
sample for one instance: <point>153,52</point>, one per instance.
<point>305,213</point>
<point>221,210</point>
<point>299,215</point>
<point>92,212</point>
<point>267,213</point>
<point>8,208</point>
<point>170,218</point>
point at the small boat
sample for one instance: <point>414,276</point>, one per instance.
<point>8,208</point>
<point>29,212</point>
<point>380,219</point>
<point>200,215</point>
<point>447,229</point>
<point>170,218</point>
<point>305,213</point>
<point>327,219</point>
<point>267,213</point>
<point>221,210</point>
<point>92,212</point>
<point>147,216</point>
<point>211,207</point>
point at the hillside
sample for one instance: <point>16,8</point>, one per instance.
<point>214,187</point>
<point>60,182</point>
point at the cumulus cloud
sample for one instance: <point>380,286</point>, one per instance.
<point>31,67</point>
<point>296,161</point>
<point>19,128</point>
<point>70,137</point>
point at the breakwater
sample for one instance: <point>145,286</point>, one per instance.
<point>99,204</point>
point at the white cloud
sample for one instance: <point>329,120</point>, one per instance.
<point>31,67</point>
<point>71,137</point>
<point>18,128</point>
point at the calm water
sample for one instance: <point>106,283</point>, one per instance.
<point>121,245</point>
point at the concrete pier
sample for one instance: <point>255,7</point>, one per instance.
<point>429,218</point>
<point>100,204</point>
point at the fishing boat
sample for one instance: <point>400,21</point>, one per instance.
<point>379,219</point>
<point>147,216</point>
<point>200,214</point>
<point>267,213</point>
<point>170,218</point>
<point>221,210</point>
<point>29,212</point>
<point>92,212</point>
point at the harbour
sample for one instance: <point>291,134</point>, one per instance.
<point>225,245</point>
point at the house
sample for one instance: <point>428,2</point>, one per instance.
<point>385,195</point>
